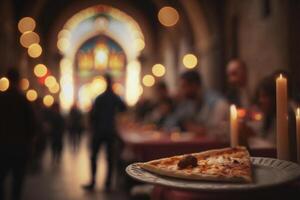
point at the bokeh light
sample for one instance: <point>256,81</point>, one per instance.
<point>118,88</point>
<point>190,61</point>
<point>24,84</point>
<point>50,81</point>
<point>31,95</point>
<point>148,80</point>
<point>140,44</point>
<point>4,84</point>
<point>98,86</point>
<point>63,44</point>
<point>34,50</point>
<point>64,33</point>
<point>48,100</point>
<point>40,70</point>
<point>158,70</point>
<point>54,89</point>
<point>28,38</point>
<point>26,24</point>
<point>168,16</point>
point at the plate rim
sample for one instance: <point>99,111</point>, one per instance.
<point>223,189</point>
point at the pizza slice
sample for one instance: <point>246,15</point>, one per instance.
<point>228,164</point>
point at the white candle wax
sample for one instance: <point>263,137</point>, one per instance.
<point>234,132</point>
<point>298,133</point>
<point>282,119</point>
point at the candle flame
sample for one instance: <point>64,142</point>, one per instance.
<point>233,111</point>
<point>298,113</point>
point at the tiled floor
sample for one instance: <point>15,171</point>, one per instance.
<point>63,181</point>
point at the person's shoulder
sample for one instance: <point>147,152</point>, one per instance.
<point>213,97</point>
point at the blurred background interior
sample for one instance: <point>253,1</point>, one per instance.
<point>166,72</point>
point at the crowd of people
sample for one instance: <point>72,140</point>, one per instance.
<point>26,128</point>
<point>194,108</point>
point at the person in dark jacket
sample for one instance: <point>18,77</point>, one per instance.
<point>75,126</point>
<point>17,131</point>
<point>102,119</point>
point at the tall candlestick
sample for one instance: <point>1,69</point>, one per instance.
<point>298,133</point>
<point>282,119</point>
<point>234,132</point>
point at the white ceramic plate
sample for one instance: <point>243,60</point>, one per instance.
<point>267,172</point>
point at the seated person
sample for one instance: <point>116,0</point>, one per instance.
<point>162,105</point>
<point>198,109</point>
<point>266,102</point>
<point>237,80</point>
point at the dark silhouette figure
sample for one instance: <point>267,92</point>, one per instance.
<point>102,119</point>
<point>17,131</point>
<point>75,126</point>
<point>56,122</point>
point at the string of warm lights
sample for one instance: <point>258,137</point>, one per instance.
<point>30,39</point>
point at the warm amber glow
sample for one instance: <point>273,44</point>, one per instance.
<point>98,86</point>
<point>40,70</point>
<point>34,50</point>
<point>118,88</point>
<point>158,70</point>
<point>140,44</point>
<point>26,24</point>
<point>48,100</point>
<point>241,113</point>
<point>63,44</point>
<point>132,83</point>
<point>65,63</point>
<point>54,89</point>
<point>140,90</point>
<point>168,16</point>
<point>148,80</point>
<point>31,95</point>
<point>24,84</point>
<point>64,33</point>
<point>50,81</point>
<point>190,61</point>
<point>257,116</point>
<point>4,84</point>
<point>233,112</point>
<point>28,38</point>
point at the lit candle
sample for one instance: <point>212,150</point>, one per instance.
<point>234,132</point>
<point>298,133</point>
<point>282,119</point>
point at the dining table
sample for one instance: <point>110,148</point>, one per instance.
<point>146,145</point>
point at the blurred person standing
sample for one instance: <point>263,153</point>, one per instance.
<point>75,126</point>
<point>57,127</point>
<point>17,132</point>
<point>104,132</point>
<point>237,78</point>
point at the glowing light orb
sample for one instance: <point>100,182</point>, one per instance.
<point>148,80</point>
<point>4,84</point>
<point>54,89</point>
<point>34,50</point>
<point>40,70</point>
<point>190,61</point>
<point>28,38</point>
<point>63,44</point>
<point>26,24</point>
<point>24,84</point>
<point>50,81</point>
<point>158,70</point>
<point>48,100</point>
<point>31,95</point>
<point>168,16</point>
